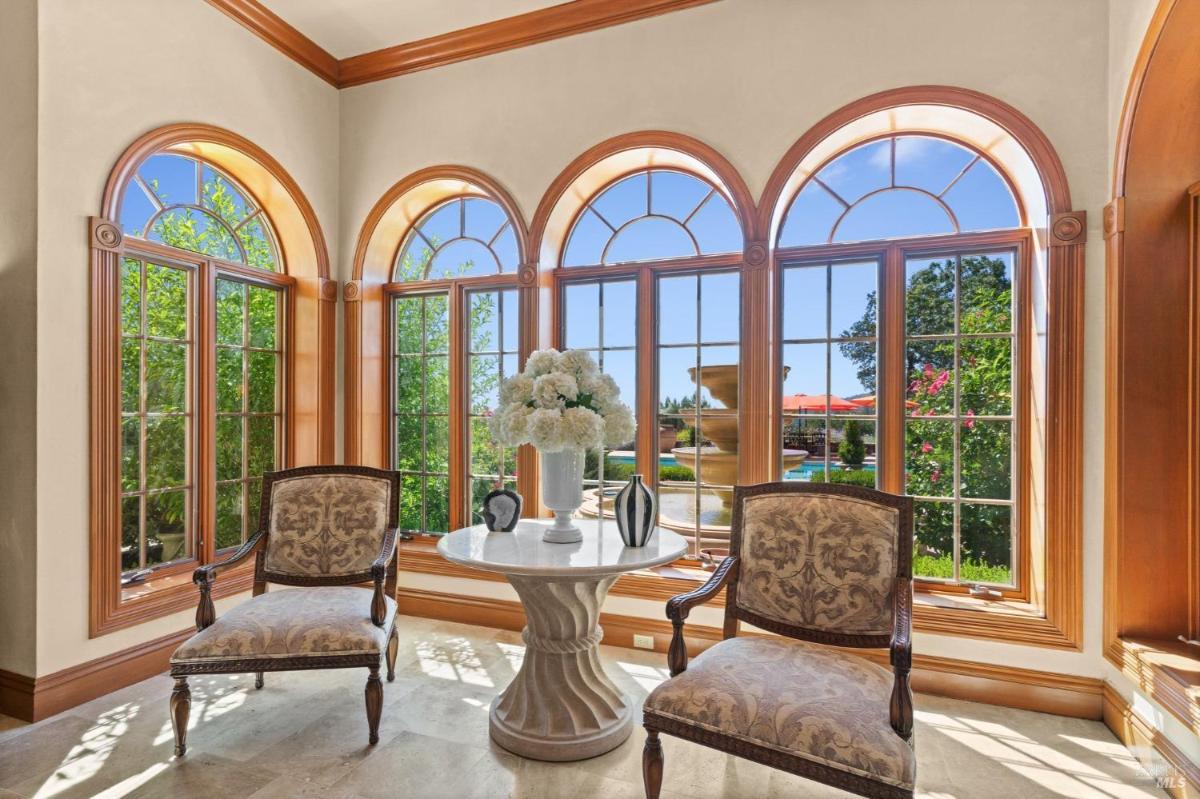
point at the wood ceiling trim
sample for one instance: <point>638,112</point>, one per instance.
<point>542,25</point>
<point>272,29</point>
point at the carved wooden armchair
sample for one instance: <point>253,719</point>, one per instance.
<point>818,564</point>
<point>325,529</point>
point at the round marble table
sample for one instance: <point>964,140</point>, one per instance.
<point>561,705</point>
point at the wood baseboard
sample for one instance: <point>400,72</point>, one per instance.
<point>33,699</point>
<point>1174,772</point>
<point>1026,689</point>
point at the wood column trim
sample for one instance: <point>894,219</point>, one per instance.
<point>1174,772</point>
<point>351,372</point>
<point>758,458</point>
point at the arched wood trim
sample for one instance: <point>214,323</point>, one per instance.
<point>1064,242</point>
<point>1035,142</point>
<point>365,315</point>
<point>743,201</point>
<point>1152,441</point>
<point>309,358</point>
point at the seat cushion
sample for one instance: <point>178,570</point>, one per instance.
<point>295,622</point>
<point>794,697</point>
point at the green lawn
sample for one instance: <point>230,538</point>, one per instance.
<point>972,571</point>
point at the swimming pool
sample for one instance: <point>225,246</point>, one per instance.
<point>804,471</point>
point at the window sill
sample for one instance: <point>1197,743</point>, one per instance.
<point>162,596</point>
<point>1166,671</point>
<point>939,614</point>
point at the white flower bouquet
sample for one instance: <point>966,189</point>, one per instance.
<point>562,402</point>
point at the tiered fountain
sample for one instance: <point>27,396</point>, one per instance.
<point>718,464</point>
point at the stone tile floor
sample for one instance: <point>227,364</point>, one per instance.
<point>305,735</point>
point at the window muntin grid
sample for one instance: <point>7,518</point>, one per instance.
<point>459,237</point>
<point>600,317</point>
<point>157,413</point>
<point>900,186</point>
<point>699,334</point>
<point>188,203</point>
<point>967,506</point>
<point>653,214</point>
<point>421,409</point>
<point>492,358</point>
<point>830,326</point>
<point>249,402</point>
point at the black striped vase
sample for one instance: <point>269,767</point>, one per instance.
<point>634,508</point>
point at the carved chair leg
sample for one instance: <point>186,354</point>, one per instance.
<point>258,679</point>
<point>181,705</point>
<point>652,764</point>
<point>374,704</point>
<point>392,647</point>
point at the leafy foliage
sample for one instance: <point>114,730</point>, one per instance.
<point>853,450</point>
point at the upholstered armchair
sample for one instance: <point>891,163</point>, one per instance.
<point>325,530</point>
<point>820,565</point>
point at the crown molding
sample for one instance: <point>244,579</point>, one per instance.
<point>272,29</point>
<point>542,25</point>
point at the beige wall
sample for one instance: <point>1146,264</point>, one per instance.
<point>108,72</point>
<point>18,345</point>
<point>749,77</point>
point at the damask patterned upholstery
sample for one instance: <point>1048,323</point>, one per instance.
<point>328,524</point>
<point>823,562</point>
<point>798,698</point>
<point>293,622</point>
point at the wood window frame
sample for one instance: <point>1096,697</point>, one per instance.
<point>307,390</point>
<point>1052,620</point>
<point>892,255</point>
<point>456,291</point>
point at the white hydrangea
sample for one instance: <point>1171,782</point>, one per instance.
<point>619,427</point>
<point>582,428</point>
<point>542,362</point>
<point>516,389</point>
<point>554,389</point>
<point>544,430</point>
<point>578,362</point>
<point>562,401</point>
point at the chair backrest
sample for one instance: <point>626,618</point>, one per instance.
<point>819,561</point>
<point>326,523</point>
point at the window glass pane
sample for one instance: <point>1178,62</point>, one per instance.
<point>676,194</point>
<point>987,293</point>
<point>437,324</point>
<point>619,298</point>
<point>229,447</point>
<point>929,458</point>
<point>987,544</point>
<point>229,515</point>
<point>261,445</point>
<point>625,200</point>
<point>678,312</point>
<point>982,201</point>
<point>443,225</point>
<point>131,525</point>
<point>230,306</point>
<point>166,529</point>
<point>929,163</point>
<point>650,238</point>
<point>931,377</point>
<point>585,245</point>
<point>172,178</point>
<point>506,250</point>
<point>485,383</point>
<point>262,377</point>
<point>484,219</point>
<point>716,227</point>
<point>463,258</point>
<point>805,376</point>
<point>166,452</point>
<point>933,527</point>
<point>253,496</point>
<point>131,386</point>
<point>255,238</point>
<point>893,214</point>
<point>230,387</point>
<point>197,231</point>
<point>136,210</point>
<point>811,218</point>
<point>805,297</point>
<point>414,259</point>
<point>131,456</point>
<point>929,296</point>
<point>852,300</point>
<point>131,297</point>
<point>222,197</point>
<point>437,504</point>
<point>986,465</point>
<point>720,310</point>
<point>985,373</point>
<point>484,321</point>
<point>861,170</point>
<point>166,376</point>
<point>166,302</point>
<point>264,317</point>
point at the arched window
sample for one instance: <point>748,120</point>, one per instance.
<point>195,315</point>
<point>891,298</point>
<point>186,203</point>
<point>648,280</point>
<point>453,299</point>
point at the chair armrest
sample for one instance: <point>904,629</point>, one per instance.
<point>901,711</point>
<point>379,570</point>
<point>679,606</point>
<point>204,577</point>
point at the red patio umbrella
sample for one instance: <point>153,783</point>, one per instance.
<point>869,402</point>
<point>803,403</point>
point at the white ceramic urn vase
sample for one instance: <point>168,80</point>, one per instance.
<point>562,492</point>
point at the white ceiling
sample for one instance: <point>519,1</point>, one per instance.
<point>350,27</point>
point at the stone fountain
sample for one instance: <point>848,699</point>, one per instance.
<point>718,464</point>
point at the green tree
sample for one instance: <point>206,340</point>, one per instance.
<point>852,450</point>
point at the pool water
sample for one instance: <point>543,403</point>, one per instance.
<point>802,472</point>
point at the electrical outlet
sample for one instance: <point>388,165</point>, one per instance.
<point>643,641</point>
